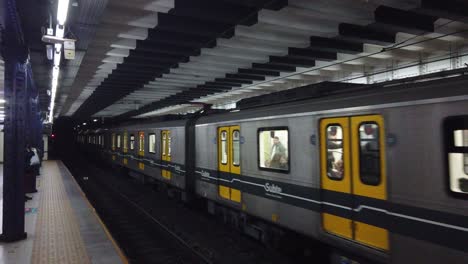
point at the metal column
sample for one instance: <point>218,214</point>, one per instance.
<point>17,69</point>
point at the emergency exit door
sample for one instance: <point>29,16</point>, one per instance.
<point>353,162</point>
<point>166,152</point>
<point>229,160</point>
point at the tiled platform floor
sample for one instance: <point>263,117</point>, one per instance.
<point>62,226</point>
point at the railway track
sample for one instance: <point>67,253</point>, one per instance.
<point>142,237</point>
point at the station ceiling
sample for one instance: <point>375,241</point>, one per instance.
<point>140,57</point>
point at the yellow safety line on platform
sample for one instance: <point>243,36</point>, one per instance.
<point>57,238</point>
<point>122,255</point>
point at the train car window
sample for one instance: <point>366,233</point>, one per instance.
<point>369,153</point>
<point>152,143</point>
<point>224,149</point>
<point>335,162</point>
<point>458,154</point>
<point>236,148</point>
<point>460,138</point>
<point>113,141</point>
<point>118,141</point>
<point>132,142</point>
<point>273,149</point>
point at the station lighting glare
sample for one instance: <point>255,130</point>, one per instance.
<point>62,11</point>
<point>59,33</point>
<point>95,120</point>
<point>58,54</point>
<point>55,75</point>
<point>2,101</point>
<point>84,124</point>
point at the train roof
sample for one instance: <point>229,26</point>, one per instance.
<point>345,97</point>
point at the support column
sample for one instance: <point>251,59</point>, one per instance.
<point>15,55</point>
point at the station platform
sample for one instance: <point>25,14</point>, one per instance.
<point>62,226</point>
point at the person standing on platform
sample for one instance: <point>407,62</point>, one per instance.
<point>35,162</point>
<point>27,170</point>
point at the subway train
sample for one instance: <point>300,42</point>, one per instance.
<point>378,173</point>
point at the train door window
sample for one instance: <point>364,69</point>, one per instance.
<point>163,145</point>
<point>132,142</point>
<point>369,153</point>
<point>125,142</point>
<point>224,148</point>
<point>456,133</point>
<point>335,162</point>
<point>118,141</point>
<point>169,147</point>
<point>236,148</point>
<point>152,143</point>
<point>166,152</point>
<point>141,144</point>
<point>113,141</point>
<point>273,149</point>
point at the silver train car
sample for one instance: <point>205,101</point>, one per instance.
<point>379,175</point>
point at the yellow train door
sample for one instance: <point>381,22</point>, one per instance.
<point>336,170</point>
<point>369,173</point>
<point>229,160</point>
<point>125,148</point>
<point>141,149</point>
<point>166,152</point>
<point>353,162</point>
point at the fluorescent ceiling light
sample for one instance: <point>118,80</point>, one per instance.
<point>55,75</point>
<point>59,31</point>
<point>2,101</point>
<point>58,54</point>
<point>62,11</point>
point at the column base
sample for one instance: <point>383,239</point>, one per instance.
<point>11,238</point>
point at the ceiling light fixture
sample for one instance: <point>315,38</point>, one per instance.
<point>62,12</point>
